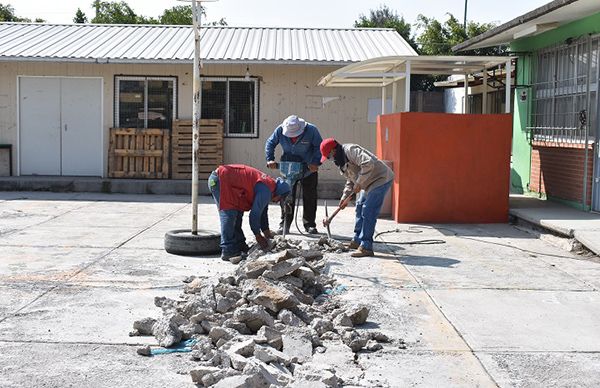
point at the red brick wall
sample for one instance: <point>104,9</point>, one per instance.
<point>557,171</point>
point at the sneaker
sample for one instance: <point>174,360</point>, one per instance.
<point>312,230</point>
<point>362,252</point>
<point>353,245</point>
<point>230,256</point>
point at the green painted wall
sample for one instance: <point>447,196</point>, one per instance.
<point>521,150</point>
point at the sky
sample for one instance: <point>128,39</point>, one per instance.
<point>291,13</point>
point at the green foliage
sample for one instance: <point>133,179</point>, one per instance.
<point>80,17</point>
<point>383,17</point>
<point>178,15</point>
<point>120,12</point>
<point>438,39</point>
<point>7,14</point>
<point>114,13</point>
<point>221,22</point>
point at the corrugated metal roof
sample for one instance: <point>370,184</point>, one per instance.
<point>133,43</point>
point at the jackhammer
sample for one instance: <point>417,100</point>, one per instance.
<point>292,172</point>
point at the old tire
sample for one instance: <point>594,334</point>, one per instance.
<point>183,242</point>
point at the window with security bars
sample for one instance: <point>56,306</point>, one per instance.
<point>235,101</point>
<point>564,92</point>
<point>145,102</point>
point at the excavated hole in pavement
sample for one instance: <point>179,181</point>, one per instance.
<point>260,325</point>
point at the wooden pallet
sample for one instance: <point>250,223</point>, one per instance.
<point>138,153</point>
<point>211,148</point>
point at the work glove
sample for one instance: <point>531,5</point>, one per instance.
<point>268,234</point>
<point>264,244</point>
<point>272,164</point>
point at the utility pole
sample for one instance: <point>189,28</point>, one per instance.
<point>465,20</point>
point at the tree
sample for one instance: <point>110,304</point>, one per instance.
<point>7,14</point>
<point>121,13</point>
<point>80,17</point>
<point>114,13</point>
<point>438,39</point>
<point>385,18</point>
<point>178,15</point>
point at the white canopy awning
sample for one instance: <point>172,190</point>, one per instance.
<point>383,71</point>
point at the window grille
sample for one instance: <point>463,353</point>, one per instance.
<point>145,102</point>
<point>235,101</point>
<point>562,94</point>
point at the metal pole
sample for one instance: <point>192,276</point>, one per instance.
<point>465,20</point>
<point>466,104</point>
<point>508,86</point>
<point>394,96</point>
<point>383,98</point>
<point>407,88</point>
<point>587,121</point>
<point>196,113</point>
<point>485,81</point>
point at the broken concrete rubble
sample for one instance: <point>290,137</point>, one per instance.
<point>261,325</point>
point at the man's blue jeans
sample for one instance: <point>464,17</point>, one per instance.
<point>367,210</point>
<point>232,236</point>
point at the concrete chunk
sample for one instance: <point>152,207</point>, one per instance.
<point>244,348</point>
<point>267,354</point>
<point>297,346</point>
<point>358,314</point>
<point>198,373</point>
<point>269,336</point>
<point>218,332</point>
<point>317,373</point>
<point>253,317</point>
<point>322,326</point>
<point>144,326</point>
<point>284,268</point>
<point>271,296</point>
<point>166,329</point>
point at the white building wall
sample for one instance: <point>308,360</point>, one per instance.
<point>284,90</point>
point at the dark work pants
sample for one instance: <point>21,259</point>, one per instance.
<point>309,201</point>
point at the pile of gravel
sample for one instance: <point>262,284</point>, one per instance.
<point>261,325</point>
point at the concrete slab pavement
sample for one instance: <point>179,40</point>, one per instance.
<point>562,219</point>
<point>491,306</point>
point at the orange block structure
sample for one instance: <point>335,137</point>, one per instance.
<point>450,168</point>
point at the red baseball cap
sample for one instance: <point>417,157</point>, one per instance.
<point>326,146</point>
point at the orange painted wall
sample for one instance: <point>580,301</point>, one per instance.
<point>450,168</point>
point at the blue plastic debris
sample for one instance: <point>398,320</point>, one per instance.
<point>335,291</point>
<point>181,347</point>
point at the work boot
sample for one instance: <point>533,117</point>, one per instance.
<point>312,230</point>
<point>244,247</point>
<point>362,252</point>
<point>353,245</point>
<point>231,256</point>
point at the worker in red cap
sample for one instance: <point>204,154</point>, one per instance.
<point>370,179</point>
<point>237,188</point>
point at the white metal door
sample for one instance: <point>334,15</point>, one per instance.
<point>39,126</point>
<point>81,126</point>
<point>60,126</point>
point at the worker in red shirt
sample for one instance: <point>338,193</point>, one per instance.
<point>237,188</point>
